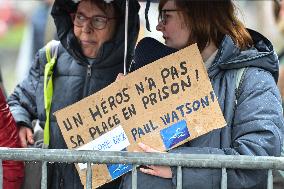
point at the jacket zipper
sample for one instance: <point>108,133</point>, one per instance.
<point>89,70</point>
<point>87,81</point>
<point>61,184</point>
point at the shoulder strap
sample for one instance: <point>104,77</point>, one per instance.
<point>51,51</point>
<point>239,79</point>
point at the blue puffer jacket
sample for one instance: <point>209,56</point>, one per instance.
<point>255,127</point>
<point>74,78</point>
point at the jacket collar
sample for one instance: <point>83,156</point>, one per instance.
<point>261,55</point>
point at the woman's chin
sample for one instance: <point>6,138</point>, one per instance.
<point>90,54</point>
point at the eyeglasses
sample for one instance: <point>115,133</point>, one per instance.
<point>97,22</point>
<point>163,15</point>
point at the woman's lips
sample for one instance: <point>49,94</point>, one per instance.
<point>86,42</point>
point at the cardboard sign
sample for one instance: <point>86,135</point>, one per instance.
<point>163,105</point>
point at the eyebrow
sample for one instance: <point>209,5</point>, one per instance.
<point>79,12</point>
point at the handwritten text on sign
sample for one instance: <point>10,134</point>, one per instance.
<point>173,91</point>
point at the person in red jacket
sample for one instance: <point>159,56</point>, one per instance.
<point>13,171</point>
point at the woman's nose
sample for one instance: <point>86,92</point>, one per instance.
<point>159,27</point>
<point>87,27</point>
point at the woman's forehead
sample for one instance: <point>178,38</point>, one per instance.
<point>90,8</point>
<point>169,5</point>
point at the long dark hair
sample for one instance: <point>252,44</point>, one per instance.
<point>210,21</point>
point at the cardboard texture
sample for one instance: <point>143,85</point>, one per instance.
<point>163,105</point>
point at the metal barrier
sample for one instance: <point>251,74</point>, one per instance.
<point>136,158</point>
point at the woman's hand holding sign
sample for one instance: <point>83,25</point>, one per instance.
<point>119,76</point>
<point>160,171</point>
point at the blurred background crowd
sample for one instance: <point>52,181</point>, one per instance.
<point>23,26</point>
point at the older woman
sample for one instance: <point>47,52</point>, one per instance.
<point>254,125</point>
<point>90,55</point>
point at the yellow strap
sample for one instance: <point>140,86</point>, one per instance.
<point>48,91</point>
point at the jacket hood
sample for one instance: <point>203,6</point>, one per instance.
<point>261,55</point>
<point>111,50</point>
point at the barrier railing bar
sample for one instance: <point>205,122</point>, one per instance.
<point>224,178</point>
<point>269,179</point>
<point>179,177</point>
<point>89,176</point>
<point>1,174</point>
<point>140,158</point>
<point>44,175</point>
<point>134,177</point>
